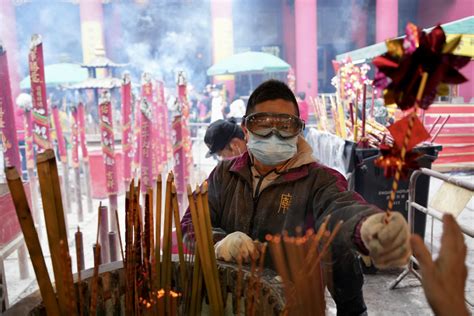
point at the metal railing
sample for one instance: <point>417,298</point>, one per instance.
<point>435,214</point>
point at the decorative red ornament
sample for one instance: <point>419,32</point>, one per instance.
<point>390,159</point>
<point>407,59</point>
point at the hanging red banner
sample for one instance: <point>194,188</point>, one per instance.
<point>108,143</point>
<point>82,131</point>
<point>59,134</point>
<point>38,93</point>
<point>7,117</point>
<point>146,123</point>
<point>127,133</point>
<point>75,138</point>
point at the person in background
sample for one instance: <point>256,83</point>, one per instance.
<point>217,104</point>
<point>204,106</point>
<point>225,139</point>
<point>303,106</point>
<point>237,108</point>
<point>444,279</point>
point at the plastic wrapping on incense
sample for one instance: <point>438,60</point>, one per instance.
<point>137,138</point>
<point>41,135</point>
<point>59,134</point>
<point>7,117</point>
<point>184,105</point>
<point>82,131</point>
<point>146,124</point>
<point>30,154</point>
<point>108,142</point>
<point>127,133</point>
<point>181,141</point>
<point>162,128</point>
<point>75,138</point>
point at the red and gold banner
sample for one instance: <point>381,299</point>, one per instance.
<point>38,93</point>
<point>108,143</point>
<point>82,131</point>
<point>59,135</point>
<point>146,130</point>
<point>7,117</point>
<point>75,138</point>
<point>127,133</point>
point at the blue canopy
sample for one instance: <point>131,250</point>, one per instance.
<point>60,74</point>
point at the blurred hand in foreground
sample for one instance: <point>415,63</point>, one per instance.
<point>444,279</point>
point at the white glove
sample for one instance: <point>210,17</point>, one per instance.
<point>388,243</point>
<point>234,246</point>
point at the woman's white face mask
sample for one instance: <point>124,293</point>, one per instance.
<point>272,151</point>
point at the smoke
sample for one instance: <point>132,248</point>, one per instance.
<point>163,39</point>
<point>58,24</point>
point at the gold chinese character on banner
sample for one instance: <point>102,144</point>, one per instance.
<point>285,202</point>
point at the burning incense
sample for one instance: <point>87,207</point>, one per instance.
<point>179,237</point>
<point>166,272</point>
<point>80,266</point>
<point>434,124</point>
<point>67,278</point>
<point>364,100</point>
<point>440,128</point>
<point>372,106</point>
<point>157,282</point>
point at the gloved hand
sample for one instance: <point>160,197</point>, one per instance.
<point>234,246</point>
<point>388,243</point>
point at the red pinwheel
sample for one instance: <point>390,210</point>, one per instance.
<point>406,60</point>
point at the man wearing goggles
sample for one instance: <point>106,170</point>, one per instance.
<point>278,186</point>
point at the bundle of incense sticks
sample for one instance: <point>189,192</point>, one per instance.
<point>199,207</point>
<point>151,289</point>
<point>57,235</point>
<point>297,261</point>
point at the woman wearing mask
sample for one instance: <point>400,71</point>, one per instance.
<point>225,140</point>
<point>278,186</point>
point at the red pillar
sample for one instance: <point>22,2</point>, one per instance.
<point>288,26</point>
<point>306,39</point>
<point>386,19</point>
<point>92,28</point>
<point>222,38</point>
<point>9,39</point>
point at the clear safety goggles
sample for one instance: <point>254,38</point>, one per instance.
<point>265,124</point>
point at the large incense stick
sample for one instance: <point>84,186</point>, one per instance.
<point>80,267</point>
<point>32,241</point>
<point>157,282</point>
<point>54,217</point>
<point>179,237</point>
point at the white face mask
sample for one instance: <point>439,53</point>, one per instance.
<point>272,151</point>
